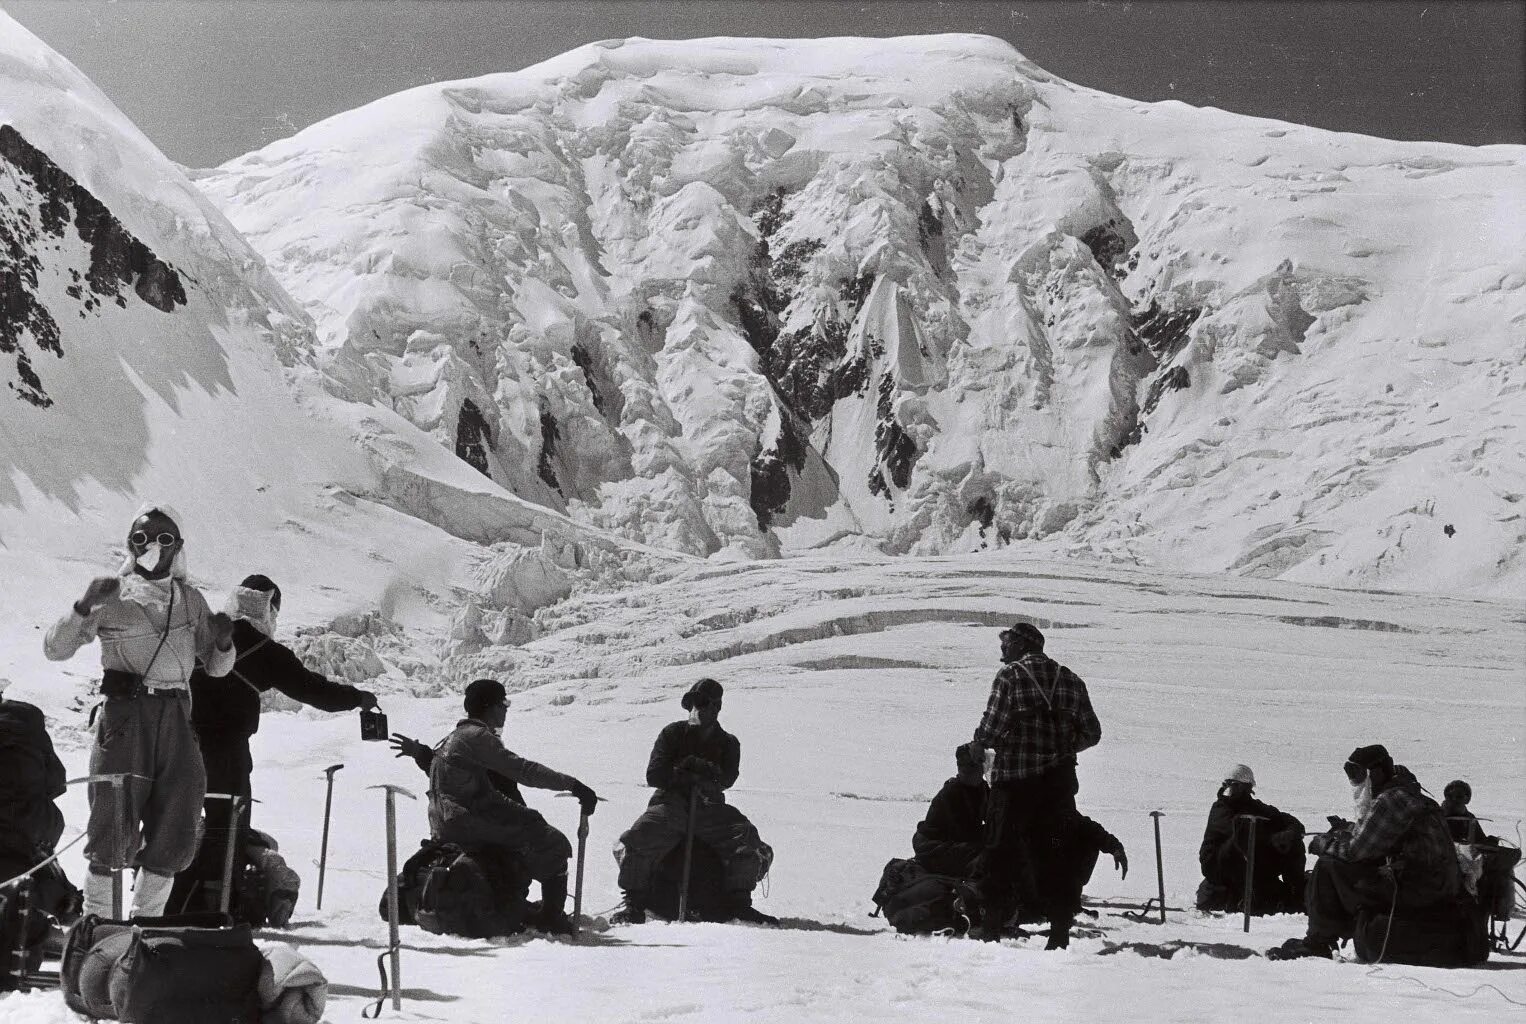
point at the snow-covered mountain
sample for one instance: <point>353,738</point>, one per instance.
<point>744,295</point>
<point>148,354</point>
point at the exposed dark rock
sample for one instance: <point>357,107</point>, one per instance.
<point>117,259</point>
<point>474,438</point>
<point>982,511</point>
<point>789,266</point>
<point>549,435</point>
<point>768,213</point>
<point>585,363</point>
<point>1164,330</point>
<point>803,366</point>
<point>1173,378</point>
<point>930,236</point>
<point>854,291</point>
<point>896,450</point>
<point>1109,249</point>
<point>770,489</point>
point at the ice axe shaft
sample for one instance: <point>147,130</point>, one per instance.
<point>117,781</point>
<point>395,943</point>
<point>683,884</point>
<point>230,853</point>
<point>1160,867</point>
<point>1250,867</point>
<point>323,850</point>
<point>577,891</point>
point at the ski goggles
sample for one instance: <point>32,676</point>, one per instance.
<point>1355,772</point>
<point>141,539</point>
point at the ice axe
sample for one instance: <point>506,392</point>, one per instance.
<point>117,781</point>
<point>323,850</point>
<point>394,946</point>
<point>236,805</point>
<point>683,884</point>
<point>577,890</point>
<point>1250,865</point>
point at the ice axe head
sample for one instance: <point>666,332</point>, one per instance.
<point>390,788</point>
<point>331,769</point>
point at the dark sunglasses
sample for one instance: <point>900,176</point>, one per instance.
<point>140,539</point>
<point>1355,772</point>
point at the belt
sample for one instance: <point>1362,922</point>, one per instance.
<point>165,691</point>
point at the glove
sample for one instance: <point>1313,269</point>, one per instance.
<point>406,747</point>
<point>1121,862</point>
<point>221,628</point>
<point>1285,841</point>
<point>368,701</point>
<point>587,799</point>
<point>1339,824</point>
<point>699,768</point>
<point>101,590</point>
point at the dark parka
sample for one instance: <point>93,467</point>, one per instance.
<point>684,756</point>
<point>1222,853</point>
<point>31,778</point>
<point>953,833</point>
<point>230,706</point>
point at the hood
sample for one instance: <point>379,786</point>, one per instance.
<point>178,568</point>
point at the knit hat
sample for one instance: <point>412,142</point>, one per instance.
<point>1459,791</point>
<point>970,758</point>
<point>482,694</point>
<point>706,691</point>
<point>1369,757</point>
<point>1241,773</point>
<point>1025,635</point>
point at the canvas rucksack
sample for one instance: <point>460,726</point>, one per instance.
<point>448,890</point>
<point>175,970</point>
<point>917,902</point>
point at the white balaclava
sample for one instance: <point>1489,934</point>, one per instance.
<point>150,557</point>
<point>1361,799</point>
<point>254,606</point>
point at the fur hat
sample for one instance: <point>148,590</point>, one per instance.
<point>1025,635</point>
<point>706,691</point>
<point>1241,773</point>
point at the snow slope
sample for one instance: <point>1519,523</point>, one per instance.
<point>728,295</point>
<point>149,355</point>
<point>849,682</point>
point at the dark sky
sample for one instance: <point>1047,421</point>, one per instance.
<point>210,79</point>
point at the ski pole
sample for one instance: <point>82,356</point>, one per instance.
<point>395,943</point>
<point>323,850</point>
<point>1250,867</point>
<point>1160,868</point>
<point>683,884</point>
<point>577,891</point>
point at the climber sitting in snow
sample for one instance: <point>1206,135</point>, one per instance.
<point>1279,855</point>
<point>226,714</point>
<point>1399,856</point>
<point>474,798</point>
<point>950,839</point>
<point>693,763</point>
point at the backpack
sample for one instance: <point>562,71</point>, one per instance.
<point>449,890</point>
<point>190,969</point>
<point>917,902</point>
<point>23,933</point>
<point>34,777</point>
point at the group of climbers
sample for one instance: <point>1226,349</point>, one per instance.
<point>181,694</point>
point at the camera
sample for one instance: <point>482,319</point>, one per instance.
<point>373,724</point>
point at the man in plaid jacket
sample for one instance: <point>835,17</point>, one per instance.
<point>1038,718</point>
<point>1399,855</point>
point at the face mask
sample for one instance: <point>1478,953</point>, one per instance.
<point>154,558</point>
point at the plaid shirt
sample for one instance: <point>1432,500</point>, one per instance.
<point>1038,716</point>
<point>1400,809</point>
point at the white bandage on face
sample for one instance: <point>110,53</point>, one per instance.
<point>152,558</point>
<point>694,718</point>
